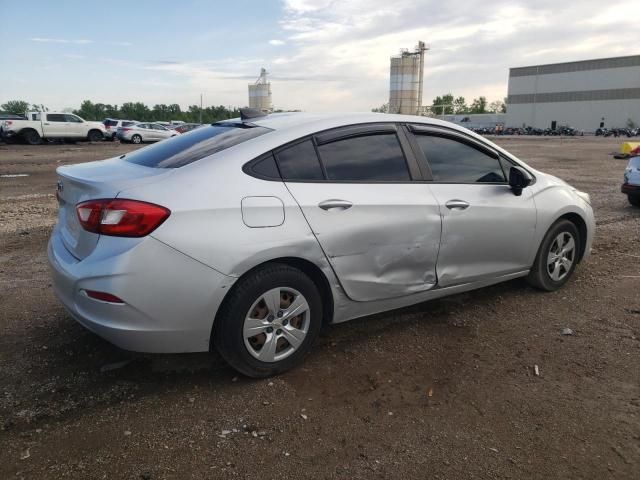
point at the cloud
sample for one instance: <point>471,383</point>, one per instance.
<point>276,42</point>
<point>81,41</point>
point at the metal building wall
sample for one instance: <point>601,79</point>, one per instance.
<point>578,94</point>
<point>404,84</point>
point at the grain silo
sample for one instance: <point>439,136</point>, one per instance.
<point>260,93</point>
<point>406,76</point>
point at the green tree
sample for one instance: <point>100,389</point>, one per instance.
<point>497,106</point>
<point>443,105</point>
<point>15,106</point>
<point>384,108</point>
<point>136,111</point>
<point>460,105</point>
<point>479,105</point>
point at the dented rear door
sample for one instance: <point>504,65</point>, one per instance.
<point>381,233</point>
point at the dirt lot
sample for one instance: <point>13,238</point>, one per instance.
<point>444,389</point>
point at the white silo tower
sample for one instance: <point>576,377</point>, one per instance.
<point>406,78</point>
<point>260,93</point>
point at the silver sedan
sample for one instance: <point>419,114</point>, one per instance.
<point>248,235</point>
<point>144,132</point>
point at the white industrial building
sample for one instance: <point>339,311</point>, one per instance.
<point>260,93</point>
<point>583,95</point>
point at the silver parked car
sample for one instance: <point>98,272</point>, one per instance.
<point>144,132</point>
<point>112,125</point>
<point>631,185</point>
<point>249,234</point>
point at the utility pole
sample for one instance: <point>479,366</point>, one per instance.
<point>200,108</point>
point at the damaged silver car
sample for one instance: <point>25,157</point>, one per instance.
<point>249,234</point>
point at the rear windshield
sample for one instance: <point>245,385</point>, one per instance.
<point>635,162</point>
<point>195,145</point>
<point>110,123</point>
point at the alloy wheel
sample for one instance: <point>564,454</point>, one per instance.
<point>276,325</point>
<point>561,256</point>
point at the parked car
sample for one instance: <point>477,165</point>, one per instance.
<point>249,234</point>
<point>631,185</point>
<point>111,126</point>
<point>144,132</point>
<point>186,127</point>
<point>52,125</point>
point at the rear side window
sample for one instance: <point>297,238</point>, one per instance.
<point>184,149</point>
<point>110,123</point>
<point>127,124</point>
<point>56,117</point>
<point>452,161</point>
<point>299,162</point>
<point>365,158</point>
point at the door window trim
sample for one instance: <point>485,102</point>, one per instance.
<point>342,133</point>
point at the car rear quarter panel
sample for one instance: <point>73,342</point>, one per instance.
<point>207,224</point>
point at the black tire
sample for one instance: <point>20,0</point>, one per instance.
<point>634,200</point>
<point>137,139</point>
<point>32,137</point>
<point>539,276</point>
<point>95,136</point>
<point>227,336</point>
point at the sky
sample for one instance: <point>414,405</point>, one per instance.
<point>322,55</point>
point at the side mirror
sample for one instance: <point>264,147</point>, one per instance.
<point>519,179</point>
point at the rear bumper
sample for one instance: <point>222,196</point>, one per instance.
<point>170,299</point>
<point>630,189</point>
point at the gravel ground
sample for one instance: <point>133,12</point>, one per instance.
<point>444,389</point>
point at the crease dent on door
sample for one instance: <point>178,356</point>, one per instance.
<point>375,263</point>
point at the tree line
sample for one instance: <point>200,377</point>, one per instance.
<point>135,111</point>
<point>448,105</point>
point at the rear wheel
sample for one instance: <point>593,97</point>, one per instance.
<point>557,257</point>
<point>95,136</point>
<point>136,139</point>
<point>32,137</point>
<point>269,321</point>
<point>634,200</point>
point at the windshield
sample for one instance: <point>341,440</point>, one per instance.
<point>634,162</point>
<point>189,147</point>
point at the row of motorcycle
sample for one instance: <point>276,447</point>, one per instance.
<point>618,132</point>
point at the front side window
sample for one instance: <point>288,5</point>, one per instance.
<point>376,157</point>
<point>184,149</point>
<point>299,162</point>
<point>452,161</point>
<point>72,118</point>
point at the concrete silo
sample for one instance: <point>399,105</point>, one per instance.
<point>406,78</point>
<point>260,93</point>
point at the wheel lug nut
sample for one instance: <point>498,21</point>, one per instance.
<point>285,321</point>
<point>278,331</point>
<point>270,318</point>
<point>280,313</point>
<point>269,329</point>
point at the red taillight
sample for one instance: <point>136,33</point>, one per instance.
<point>103,296</point>
<point>121,218</point>
<point>8,123</point>
<point>122,129</point>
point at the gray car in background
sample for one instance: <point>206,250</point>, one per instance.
<point>249,234</point>
<point>144,133</point>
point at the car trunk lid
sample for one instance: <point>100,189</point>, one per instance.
<point>87,181</point>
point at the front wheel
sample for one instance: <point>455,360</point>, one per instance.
<point>269,321</point>
<point>136,139</point>
<point>634,200</point>
<point>557,257</point>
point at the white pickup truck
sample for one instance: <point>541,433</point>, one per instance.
<point>52,125</point>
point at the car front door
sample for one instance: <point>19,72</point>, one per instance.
<point>379,229</point>
<point>487,231</point>
<point>77,128</point>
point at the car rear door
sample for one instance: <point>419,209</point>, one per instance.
<point>378,226</point>
<point>487,231</point>
<point>55,125</point>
